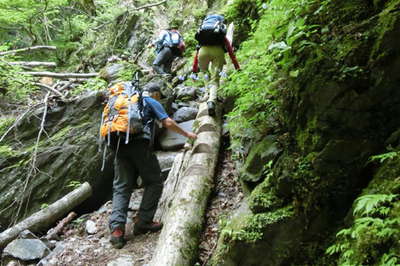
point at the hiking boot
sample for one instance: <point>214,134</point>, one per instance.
<point>143,228</point>
<point>117,238</point>
<point>211,108</point>
<point>159,70</point>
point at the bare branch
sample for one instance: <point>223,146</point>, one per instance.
<point>33,64</point>
<point>45,47</point>
<point>33,169</point>
<point>150,5</point>
<point>49,89</point>
<point>61,75</point>
<point>17,121</point>
<point>65,85</point>
<point>53,232</point>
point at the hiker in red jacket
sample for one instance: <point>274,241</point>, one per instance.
<point>212,46</point>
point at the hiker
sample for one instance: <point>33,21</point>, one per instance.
<point>169,46</point>
<point>213,44</point>
<point>137,158</point>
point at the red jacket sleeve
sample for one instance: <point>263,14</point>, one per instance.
<point>195,67</point>
<point>231,54</point>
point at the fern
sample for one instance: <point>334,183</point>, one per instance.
<point>335,249</point>
<point>386,232</point>
<point>366,204</point>
<point>343,232</point>
<point>390,260</point>
<point>375,229</point>
<point>348,253</point>
<point>383,157</point>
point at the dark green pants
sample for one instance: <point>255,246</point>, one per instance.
<point>132,160</point>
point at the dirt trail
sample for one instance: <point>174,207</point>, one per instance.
<point>77,247</point>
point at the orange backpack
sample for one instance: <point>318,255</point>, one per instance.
<point>123,111</point>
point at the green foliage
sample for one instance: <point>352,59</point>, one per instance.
<point>268,62</point>
<point>38,20</point>
<point>93,84</point>
<point>97,37</point>
<point>384,156</point>
<point>190,42</point>
<point>350,72</point>
<point>199,13</point>
<point>263,198</point>
<point>83,35</point>
<point>17,86</point>
<point>254,226</point>
<point>5,123</point>
<point>78,222</point>
<point>127,73</point>
<point>44,206</point>
<point>373,237</point>
<point>6,151</point>
<point>372,204</point>
<point>244,14</point>
<point>74,184</point>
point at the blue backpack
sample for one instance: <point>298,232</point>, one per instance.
<point>175,41</point>
<point>212,30</point>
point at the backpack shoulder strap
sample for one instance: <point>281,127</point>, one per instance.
<point>161,37</point>
<point>175,31</point>
<point>169,34</point>
<point>167,37</point>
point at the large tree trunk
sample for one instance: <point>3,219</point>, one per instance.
<point>46,217</point>
<point>185,195</point>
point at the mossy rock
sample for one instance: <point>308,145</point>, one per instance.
<point>69,151</point>
<point>248,235</point>
<point>260,154</point>
<point>338,110</point>
<point>263,198</point>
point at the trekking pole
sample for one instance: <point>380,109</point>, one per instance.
<point>135,81</point>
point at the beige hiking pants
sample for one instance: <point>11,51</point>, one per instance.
<point>211,61</point>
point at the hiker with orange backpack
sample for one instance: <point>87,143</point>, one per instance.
<point>169,45</point>
<point>128,128</point>
<point>213,44</point>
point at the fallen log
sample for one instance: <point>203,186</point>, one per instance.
<point>45,47</point>
<point>61,75</point>
<point>186,192</point>
<point>43,219</point>
<point>185,196</point>
<point>170,185</point>
<point>33,64</point>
